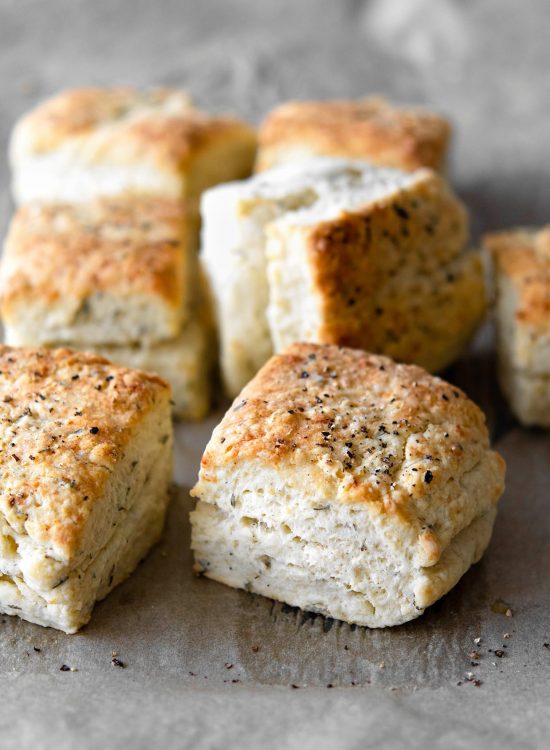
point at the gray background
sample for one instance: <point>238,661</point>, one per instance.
<point>485,63</point>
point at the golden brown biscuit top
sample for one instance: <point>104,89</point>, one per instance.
<point>124,247</point>
<point>367,128</point>
<point>77,112</point>
<point>523,256</point>
<point>361,427</point>
<point>66,419</point>
<point>122,126</point>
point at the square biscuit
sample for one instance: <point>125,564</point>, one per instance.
<point>342,252</point>
<point>86,470</point>
<point>371,129</point>
<point>95,142</point>
<point>521,263</point>
<point>346,484</point>
<point>113,271</point>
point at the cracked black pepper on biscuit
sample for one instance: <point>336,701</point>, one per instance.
<point>363,491</point>
<point>86,464</point>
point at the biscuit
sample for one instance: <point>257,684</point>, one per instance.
<point>110,271</point>
<point>371,129</point>
<point>118,277</point>
<point>346,484</point>
<point>86,470</point>
<point>521,262</point>
<point>97,142</point>
<point>342,252</point>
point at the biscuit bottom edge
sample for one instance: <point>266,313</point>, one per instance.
<point>248,567</point>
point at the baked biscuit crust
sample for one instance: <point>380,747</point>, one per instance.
<point>350,417</point>
<point>79,112</point>
<point>59,256</point>
<point>346,483</point>
<point>521,260</point>
<point>68,417</point>
<point>370,129</point>
<point>161,126</point>
<point>86,466</point>
<point>420,305</point>
<point>523,256</point>
<point>340,252</point>
<point>85,143</point>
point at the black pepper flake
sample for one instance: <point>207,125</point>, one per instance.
<point>304,374</point>
<point>38,650</point>
<point>428,476</point>
<point>499,653</point>
<point>75,377</point>
<point>401,212</point>
<point>94,430</point>
<point>64,668</point>
<point>546,645</point>
<point>117,663</point>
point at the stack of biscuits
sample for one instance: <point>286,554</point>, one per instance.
<point>102,254</point>
<point>344,478</point>
<point>331,249</point>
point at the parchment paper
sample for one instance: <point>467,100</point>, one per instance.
<point>209,667</point>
